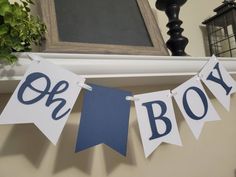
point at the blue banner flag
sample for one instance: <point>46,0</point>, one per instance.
<point>104,119</point>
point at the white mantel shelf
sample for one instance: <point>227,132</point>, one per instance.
<point>116,70</point>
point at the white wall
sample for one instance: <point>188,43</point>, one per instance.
<point>25,152</point>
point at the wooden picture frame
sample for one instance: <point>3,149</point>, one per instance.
<point>53,43</point>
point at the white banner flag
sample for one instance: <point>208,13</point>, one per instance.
<point>195,105</point>
<point>156,120</point>
<point>45,96</point>
<point>219,81</point>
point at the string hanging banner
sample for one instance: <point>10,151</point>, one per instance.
<point>195,105</point>
<point>104,119</point>
<point>47,93</point>
<point>45,96</point>
<point>156,120</point>
<point>219,81</point>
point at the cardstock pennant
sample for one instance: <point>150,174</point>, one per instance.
<point>195,105</point>
<point>104,119</point>
<point>219,81</point>
<point>45,96</point>
<point>156,120</point>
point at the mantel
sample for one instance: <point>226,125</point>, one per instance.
<point>115,70</point>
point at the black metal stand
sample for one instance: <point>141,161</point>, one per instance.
<point>177,42</point>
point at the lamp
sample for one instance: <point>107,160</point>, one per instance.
<point>221,30</point>
<point>177,42</point>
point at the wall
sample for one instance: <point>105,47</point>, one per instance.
<point>25,152</point>
<point>193,13</point>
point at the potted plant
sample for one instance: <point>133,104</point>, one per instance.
<point>18,29</point>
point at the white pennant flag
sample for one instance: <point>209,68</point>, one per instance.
<point>195,105</point>
<point>219,81</point>
<point>156,120</point>
<point>45,96</point>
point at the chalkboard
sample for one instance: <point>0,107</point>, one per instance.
<point>101,26</point>
<point>102,22</point>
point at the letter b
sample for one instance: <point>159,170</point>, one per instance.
<point>152,119</point>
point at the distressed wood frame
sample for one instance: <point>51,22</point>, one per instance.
<point>53,43</point>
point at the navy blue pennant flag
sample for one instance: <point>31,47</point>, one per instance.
<point>104,119</point>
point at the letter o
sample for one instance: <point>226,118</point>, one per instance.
<point>188,109</point>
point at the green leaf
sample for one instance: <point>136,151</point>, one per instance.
<point>24,3</point>
<point>27,9</point>
<point>30,1</point>
<point>8,18</point>
<point>3,29</point>
<point>5,50</point>
<point>16,4</point>
<point>9,58</point>
<point>18,48</point>
<point>5,7</point>
<point>18,29</point>
<point>1,1</point>
<point>17,11</point>
<point>14,33</point>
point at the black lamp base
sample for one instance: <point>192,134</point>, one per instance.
<point>177,42</point>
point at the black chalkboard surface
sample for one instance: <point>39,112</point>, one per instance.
<point>102,22</point>
<point>101,26</point>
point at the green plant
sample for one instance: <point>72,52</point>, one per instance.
<point>18,29</point>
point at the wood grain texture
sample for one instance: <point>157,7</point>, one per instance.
<point>54,44</point>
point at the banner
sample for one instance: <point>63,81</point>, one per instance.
<point>218,80</point>
<point>156,120</point>
<point>45,97</point>
<point>104,119</point>
<point>47,93</point>
<point>195,105</point>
